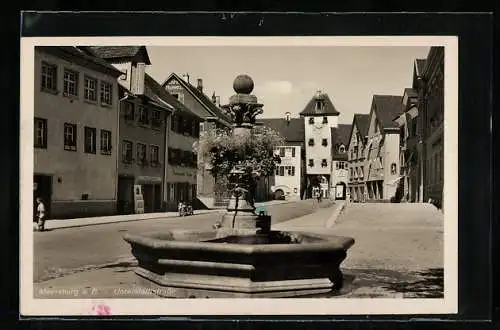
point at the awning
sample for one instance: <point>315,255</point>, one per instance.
<point>394,181</point>
<point>413,112</point>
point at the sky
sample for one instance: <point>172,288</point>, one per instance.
<point>286,78</point>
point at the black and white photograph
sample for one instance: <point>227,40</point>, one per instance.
<point>161,174</point>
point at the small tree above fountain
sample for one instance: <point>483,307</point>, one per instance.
<point>244,155</point>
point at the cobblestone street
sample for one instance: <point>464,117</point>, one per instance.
<point>394,256</point>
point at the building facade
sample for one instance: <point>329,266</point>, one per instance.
<point>339,163</point>
<point>382,148</point>
<point>143,130</point>
<point>356,157</point>
<point>76,133</point>
<point>214,117</point>
<point>289,179</point>
<point>431,108</point>
<point>183,163</point>
<point>319,117</point>
<point>408,142</point>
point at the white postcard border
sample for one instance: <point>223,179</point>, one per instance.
<point>29,306</point>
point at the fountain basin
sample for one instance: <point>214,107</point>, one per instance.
<point>224,263</point>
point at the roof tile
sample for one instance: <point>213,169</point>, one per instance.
<point>328,109</point>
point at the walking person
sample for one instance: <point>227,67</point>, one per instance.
<point>40,214</point>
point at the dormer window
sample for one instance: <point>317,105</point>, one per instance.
<point>287,116</point>
<point>325,120</point>
<point>319,105</point>
<point>311,121</point>
<point>342,149</point>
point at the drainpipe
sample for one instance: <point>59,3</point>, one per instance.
<point>118,145</point>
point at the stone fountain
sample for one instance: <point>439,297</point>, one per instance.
<point>244,257</point>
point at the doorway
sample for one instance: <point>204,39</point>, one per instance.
<point>157,198</point>
<point>147,192</point>
<point>125,195</point>
<point>42,187</point>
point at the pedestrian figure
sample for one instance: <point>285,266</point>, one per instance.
<point>40,214</point>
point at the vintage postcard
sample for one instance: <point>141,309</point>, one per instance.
<point>163,173</point>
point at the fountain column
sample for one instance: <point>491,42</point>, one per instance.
<point>244,108</point>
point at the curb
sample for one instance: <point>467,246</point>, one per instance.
<point>126,220</point>
<point>333,218</point>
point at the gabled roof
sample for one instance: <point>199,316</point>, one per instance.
<point>291,131</point>
<point>340,136</point>
<point>362,122</point>
<point>81,58</point>
<point>327,110</point>
<point>387,107</point>
<point>418,69</point>
<point>203,99</point>
<point>420,65</point>
<point>165,97</point>
<point>119,52</point>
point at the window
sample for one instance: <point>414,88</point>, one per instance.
<point>179,97</point>
<point>105,142</point>
<point>393,168</point>
<point>282,171</point>
<point>128,111</point>
<point>70,137</point>
<point>49,77</point>
<point>172,192</point>
<point>311,121</point>
<point>106,93</point>
<point>293,152</point>
<point>325,120</point>
<point>127,148</point>
<point>90,89</point>
<point>196,128</point>
<point>311,142</point>
<point>290,170</point>
<point>173,123</point>
<point>143,115</point>
<point>324,163</point>
<point>90,140</point>
<point>341,165</point>
<point>154,154</point>
<point>141,153</point>
<point>156,119</point>
<point>202,127</point>
<point>324,142</point>
<point>362,171</point>
<point>40,133</point>
<point>282,152</point>
<point>70,83</point>
<point>319,104</point>
<point>342,149</point>
<point>311,162</point>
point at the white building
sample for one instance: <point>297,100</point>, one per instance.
<point>339,161</point>
<point>319,117</point>
<point>288,181</point>
<point>288,174</point>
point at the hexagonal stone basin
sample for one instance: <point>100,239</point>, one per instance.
<point>223,263</point>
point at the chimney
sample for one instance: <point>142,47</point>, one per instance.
<point>137,83</point>
<point>217,100</point>
<point>200,85</point>
<point>214,98</point>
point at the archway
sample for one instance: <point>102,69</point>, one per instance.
<point>279,194</point>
